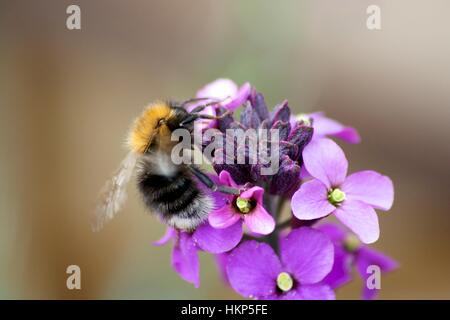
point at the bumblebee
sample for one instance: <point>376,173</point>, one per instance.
<point>170,190</point>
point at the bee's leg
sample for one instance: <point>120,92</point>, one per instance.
<point>207,181</point>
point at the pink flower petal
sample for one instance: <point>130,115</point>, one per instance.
<point>326,161</point>
<point>226,179</point>
<point>240,97</point>
<point>307,254</point>
<point>223,217</point>
<point>311,201</point>
<point>252,269</point>
<point>324,126</point>
<point>361,218</point>
<point>372,256</point>
<point>255,193</point>
<point>219,89</point>
<point>349,135</point>
<point>304,174</point>
<point>259,220</point>
<point>336,234</point>
<point>170,234</point>
<point>315,292</point>
<point>185,259</point>
<point>215,240</point>
<point>341,272</point>
<point>367,257</point>
<point>370,187</point>
<point>225,88</point>
<point>290,295</point>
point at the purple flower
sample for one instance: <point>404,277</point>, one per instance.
<point>204,237</point>
<point>292,140</point>
<point>341,272</point>
<point>248,206</point>
<point>221,89</point>
<point>187,244</point>
<point>348,252</point>
<point>306,256</point>
<point>309,175</point>
<point>351,199</point>
<point>324,127</point>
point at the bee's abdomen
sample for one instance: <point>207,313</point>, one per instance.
<point>176,198</point>
<point>174,194</point>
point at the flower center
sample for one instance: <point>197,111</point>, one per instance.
<point>285,281</point>
<point>336,196</point>
<point>351,243</point>
<point>303,117</point>
<point>244,205</point>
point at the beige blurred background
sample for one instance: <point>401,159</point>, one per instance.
<point>68,97</point>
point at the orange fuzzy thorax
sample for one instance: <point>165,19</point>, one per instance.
<point>146,128</point>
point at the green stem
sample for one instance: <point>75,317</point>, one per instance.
<point>272,204</point>
<point>280,205</point>
<point>283,225</point>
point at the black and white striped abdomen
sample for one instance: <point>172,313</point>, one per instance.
<point>174,195</point>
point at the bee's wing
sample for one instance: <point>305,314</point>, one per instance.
<point>113,194</point>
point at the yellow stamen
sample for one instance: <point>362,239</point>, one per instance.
<point>285,281</point>
<point>243,205</point>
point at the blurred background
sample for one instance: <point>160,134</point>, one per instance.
<point>67,98</point>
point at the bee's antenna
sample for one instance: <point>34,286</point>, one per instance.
<point>192,100</point>
<point>203,106</point>
<point>194,116</point>
<point>207,116</point>
<point>190,118</point>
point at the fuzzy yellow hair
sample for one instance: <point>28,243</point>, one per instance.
<point>145,127</point>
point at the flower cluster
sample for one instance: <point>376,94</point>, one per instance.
<point>262,250</point>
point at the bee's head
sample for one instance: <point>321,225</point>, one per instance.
<point>150,127</point>
<point>157,122</point>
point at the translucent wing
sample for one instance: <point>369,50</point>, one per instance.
<point>113,194</point>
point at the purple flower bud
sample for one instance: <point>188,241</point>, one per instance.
<point>300,136</point>
<point>249,117</point>
<point>258,103</point>
<point>281,112</point>
<point>225,122</point>
<point>287,178</point>
<point>284,129</point>
<point>241,173</point>
<point>288,149</point>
